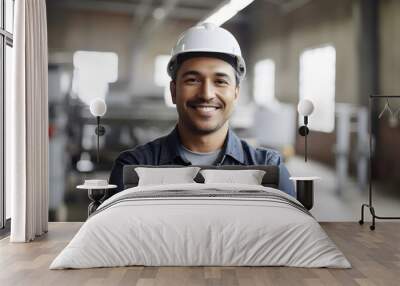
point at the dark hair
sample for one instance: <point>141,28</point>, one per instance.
<point>225,57</point>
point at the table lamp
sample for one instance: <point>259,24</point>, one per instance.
<point>98,108</point>
<point>305,108</point>
<point>97,189</point>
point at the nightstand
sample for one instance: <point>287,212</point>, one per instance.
<point>96,194</point>
<point>305,190</point>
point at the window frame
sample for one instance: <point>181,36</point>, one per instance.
<point>6,39</point>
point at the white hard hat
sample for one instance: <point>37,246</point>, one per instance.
<point>207,37</point>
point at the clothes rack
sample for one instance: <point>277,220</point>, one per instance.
<point>370,205</point>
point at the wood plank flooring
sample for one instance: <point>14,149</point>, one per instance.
<point>374,255</point>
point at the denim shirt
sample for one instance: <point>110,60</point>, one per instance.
<point>165,151</point>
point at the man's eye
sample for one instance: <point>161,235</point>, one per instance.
<point>221,81</point>
<point>191,80</point>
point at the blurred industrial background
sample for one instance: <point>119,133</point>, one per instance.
<point>335,52</point>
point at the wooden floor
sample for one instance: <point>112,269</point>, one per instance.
<point>374,255</point>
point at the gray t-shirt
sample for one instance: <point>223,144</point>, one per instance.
<point>199,158</point>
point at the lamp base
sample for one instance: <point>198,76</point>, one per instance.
<point>303,130</point>
<point>100,130</point>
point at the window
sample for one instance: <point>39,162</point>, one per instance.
<point>8,85</point>
<point>161,77</point>
<point>6,43</point>
<point>317,82</point>
<point>9,15</point>
<point>93,71</point>
<point>264,83</point>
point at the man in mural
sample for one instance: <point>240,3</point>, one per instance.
<point>206,69</point>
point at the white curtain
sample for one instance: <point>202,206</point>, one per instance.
<point>27,123</point>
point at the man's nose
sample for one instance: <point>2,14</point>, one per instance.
<point>207,91</point>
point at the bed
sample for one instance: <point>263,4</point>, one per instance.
<point>201,224</point>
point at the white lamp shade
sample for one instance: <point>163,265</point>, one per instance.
<point>305,107</point>
<point>98,107</point>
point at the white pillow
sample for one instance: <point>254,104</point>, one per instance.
<point>163,176</point>
<point>248,177</point>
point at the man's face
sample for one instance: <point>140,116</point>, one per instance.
<point>205,93</point>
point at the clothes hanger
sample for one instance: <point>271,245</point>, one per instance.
<point>387,107</point>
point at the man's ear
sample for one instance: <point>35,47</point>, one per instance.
<point>172,89</point>
<point>237,92</point>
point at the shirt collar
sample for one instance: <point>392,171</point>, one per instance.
<point>170,150</point>
<point>233,147</point>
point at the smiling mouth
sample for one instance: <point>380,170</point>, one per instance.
<point>206,111</point>
<point>206,108</point>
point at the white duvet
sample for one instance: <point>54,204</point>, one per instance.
<point>184,230</point>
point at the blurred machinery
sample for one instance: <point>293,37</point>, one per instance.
<point>129,121</point>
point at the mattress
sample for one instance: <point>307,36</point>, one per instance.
<point>201,225</point>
